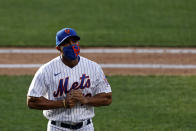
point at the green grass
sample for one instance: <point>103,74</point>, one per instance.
<point>140,103</point>
<point>14,114</point>
<point>99,23</point>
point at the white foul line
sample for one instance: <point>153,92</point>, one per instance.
<point>151,66</point>
<point>122,66</point>
<point>111,50</point>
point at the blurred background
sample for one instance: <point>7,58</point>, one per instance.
<point>99,23</point>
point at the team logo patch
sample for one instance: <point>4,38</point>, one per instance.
<point>106,81</point>
<point>67,31</point>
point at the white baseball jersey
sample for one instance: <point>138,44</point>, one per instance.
<point>54,80</point>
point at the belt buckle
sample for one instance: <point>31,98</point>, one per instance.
<point>73,123</point>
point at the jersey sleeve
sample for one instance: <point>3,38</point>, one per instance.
<point>102,85</point>
<point>38,87</point>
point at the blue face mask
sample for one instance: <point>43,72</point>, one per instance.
<point>72,51</point>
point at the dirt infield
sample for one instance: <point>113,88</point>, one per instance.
<point>106,58</point>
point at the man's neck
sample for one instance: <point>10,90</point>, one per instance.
<point>68,62</point>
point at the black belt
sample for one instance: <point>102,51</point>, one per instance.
<point>75,126</point>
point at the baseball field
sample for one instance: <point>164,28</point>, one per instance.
<point>146,48</point>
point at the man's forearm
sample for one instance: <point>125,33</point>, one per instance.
<point>102,99</point>
<point>42,103</point>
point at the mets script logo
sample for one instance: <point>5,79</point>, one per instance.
<point>63,85</point>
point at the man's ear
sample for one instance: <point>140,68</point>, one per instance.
<point>58,48</point>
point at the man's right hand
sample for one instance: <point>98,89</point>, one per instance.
<point>70,102</point>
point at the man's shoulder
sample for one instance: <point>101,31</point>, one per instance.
<point>50,63</point>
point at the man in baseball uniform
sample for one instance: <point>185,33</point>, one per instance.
<point>68,87</point>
